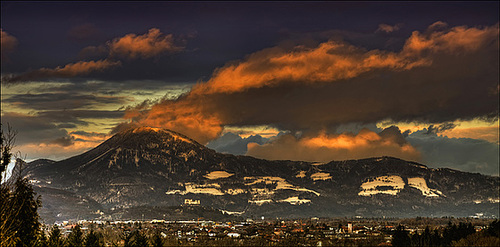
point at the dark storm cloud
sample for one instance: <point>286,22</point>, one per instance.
<point>465,154</point>
<point>32,129</point>
<point>53,101</point>
<point>63,141</point>
<point>432,129</point>
<point>388,28</point>
<point>438,76</point>
<point>84,32</point>
<point>234,144</point>
<point>75,116</point>
<point>224,31</point>
<point>87,134</point>
<point>66,125</point>
<point>48,127</point>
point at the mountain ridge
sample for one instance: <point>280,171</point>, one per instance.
<point>150,167</point>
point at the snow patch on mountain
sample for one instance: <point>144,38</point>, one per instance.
<point>390,185</point>
<point>321,176</point>
<point>302,174</point>
<point>281,183</point>
<point>294,200</point>
<point>212,189</point>
<point>420,184</point>
<point>318,164</point>
<point>260,202</point>
<point>218,174</point>
<point>232,212</point>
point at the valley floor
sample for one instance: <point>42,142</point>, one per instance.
<point>300,232</point>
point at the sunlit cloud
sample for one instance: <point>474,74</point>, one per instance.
<point>473,129</point>
<point>68,70</point>
<point>130,46</point>
<point>247,131</point>
<point>430,80</point>
<point>54,150</point>
<point>465,154</point>
<point>328,62</point>
<point>454,40</point>
<point>183,118</point>
<point>490,134</point>
<point>326,147</point>
<point>67,145</point>
<point>8,44</point>
<point>148,45</point>
<point>388,28</point>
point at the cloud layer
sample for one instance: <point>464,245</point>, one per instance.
<point>439,75</point>
<point>326,147</point>
<point>68,70</point>
<point>465,154</point>
<point>151,44</point>
<point>131,46</point>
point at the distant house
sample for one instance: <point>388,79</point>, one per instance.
<point>233,235</point>
<point>191,202</point>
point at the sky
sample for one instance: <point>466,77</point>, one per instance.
<point>312,81</point>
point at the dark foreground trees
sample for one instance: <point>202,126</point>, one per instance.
<point>19,221</point>
<point>453,235</point>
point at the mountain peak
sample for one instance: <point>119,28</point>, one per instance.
<point>148,132</point>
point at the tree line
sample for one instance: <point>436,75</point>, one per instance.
<point>452,235</point>
<point>76,238</point>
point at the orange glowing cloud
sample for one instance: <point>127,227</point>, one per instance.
<point>73,144</point>
<point>456,39</point>
<point>336,83</point>
<point>69,70</point>
<point>332,61</point>
<point>182,116</point>
<point>53,150</point>
<point>147,45</point>
<point>488,133</point>
<point>328,62</point>
<point>8,44</point>
<point>324,147</point>
<point>130,46</point>
<point>80,68</point>
<point>89,137</point>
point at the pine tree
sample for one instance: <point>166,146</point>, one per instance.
<point>400,237</point>
<point>6,144</point>
<point>55,237</point>
<point>93,239</point>
<point>127,238</point>
<point>8,214</point>
<point>157,240</point>
<point>140,239</point>
<point>494,229</point>
<point>27,205</point>
<point>19,224</point>
<point>41,240</point>
<point>75,238</point>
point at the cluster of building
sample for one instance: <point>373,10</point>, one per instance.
<point>313,230</point>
